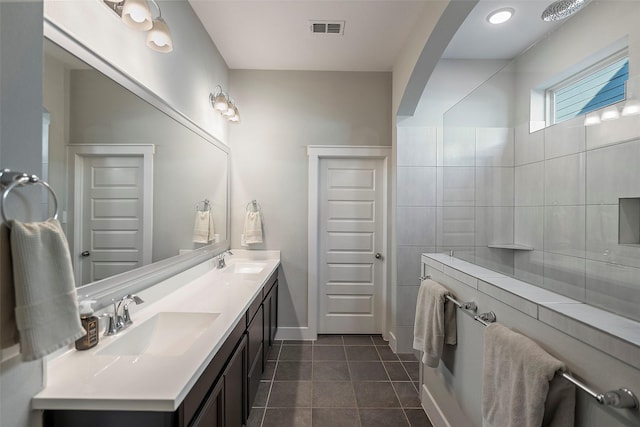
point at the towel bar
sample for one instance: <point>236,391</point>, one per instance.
<point>623,398</point>
<point>9,180</point>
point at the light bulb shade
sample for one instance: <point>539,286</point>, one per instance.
<point>230,110</point>
<point>236,116</point>
<point>592,119</point>
<point>220,102</point>
<point>561,9</point>
<point>136,14</point>
<point>631,108</point>
<point>159,37</point>
<point>610,113</point>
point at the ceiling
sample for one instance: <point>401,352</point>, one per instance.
<point>275,35</point>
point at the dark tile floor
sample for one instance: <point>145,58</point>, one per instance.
<point>336,381</point>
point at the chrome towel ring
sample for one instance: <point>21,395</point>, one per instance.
<point>10,180</point>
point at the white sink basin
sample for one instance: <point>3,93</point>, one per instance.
<point>165,334</point>
<point>248,267</point>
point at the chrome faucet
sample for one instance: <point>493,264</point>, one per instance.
<point>220,259</point>
<point>118,321</point>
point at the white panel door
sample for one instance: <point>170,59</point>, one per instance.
<point>350,236</point>
<point>112,216</point>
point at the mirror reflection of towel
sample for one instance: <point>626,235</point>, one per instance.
<point>203,227</point>
<point>253,228</point>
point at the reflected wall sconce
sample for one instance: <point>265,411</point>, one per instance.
<point>224,105</point>
<point>631,108</point>
<point>137,15</point>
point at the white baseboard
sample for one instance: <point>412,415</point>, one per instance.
<point>295,333</point>
<point>432,409</point>
<point>393,342</point>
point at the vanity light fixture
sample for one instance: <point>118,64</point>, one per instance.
<point>136,15</point>
<point>561,9</point>
<point>610,113</point>
<point>631,108</point>
<point>223,104</point>
<point>592,119</point>
<point>159,37</point>
<point>500,16</point>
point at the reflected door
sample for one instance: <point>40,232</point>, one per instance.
<point>112,216</point>
<point>350,268</point>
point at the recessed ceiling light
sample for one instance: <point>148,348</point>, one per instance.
<point>500,16</point>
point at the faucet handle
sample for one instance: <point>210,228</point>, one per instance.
<point>111,328</point>
<point>126,316</point>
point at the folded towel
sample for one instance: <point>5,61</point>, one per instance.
<point>517,389</point>
<point>8,328</point>
<point>46,305</point>
<point>253,228</point>
<point>203,227</point>
<point>435,322</point>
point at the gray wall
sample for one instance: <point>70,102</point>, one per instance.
<point>183,79</point>
<point>282,112</point>
<point>20,149</point>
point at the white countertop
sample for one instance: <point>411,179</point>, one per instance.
<point>86,380</point>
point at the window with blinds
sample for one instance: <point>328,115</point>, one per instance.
<point>594,88</point>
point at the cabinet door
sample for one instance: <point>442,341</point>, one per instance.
<point>212,413</point>
<point>255,363</point>
<point>235,389</point>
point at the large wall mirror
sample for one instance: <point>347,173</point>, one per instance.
<point>133,180</point>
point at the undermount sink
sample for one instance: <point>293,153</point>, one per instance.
<point>248,267</point>
<point>165,334</point>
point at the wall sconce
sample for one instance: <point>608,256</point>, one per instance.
<point>136,15</point>
<point>223,104</point>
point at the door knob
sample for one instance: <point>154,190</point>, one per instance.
<point>85,254</point>
<point>378,255</point>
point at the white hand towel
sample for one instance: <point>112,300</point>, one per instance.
<point>46,305</point>
<point>203,227</point>
<point>435,322</point>
<point>517,388</point>
<point>253,228</point>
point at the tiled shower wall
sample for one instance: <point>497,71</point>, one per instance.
<point>567,191</point>
<point>416,219</point>
<point>556,190</point>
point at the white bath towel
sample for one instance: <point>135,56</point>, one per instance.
<point>46,305</point>
<point>520,387</point>
<point>435,322</point>
<point>253,228</point>
<point>203,229</point>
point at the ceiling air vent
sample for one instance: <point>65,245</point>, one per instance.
<point>327,27</point>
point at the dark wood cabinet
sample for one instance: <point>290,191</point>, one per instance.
<point>225,391</point>
<point>235,390</point>
<point>255,345</point>
<point>212,413</point>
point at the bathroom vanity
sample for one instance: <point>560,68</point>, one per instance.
<point>194,357</point>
